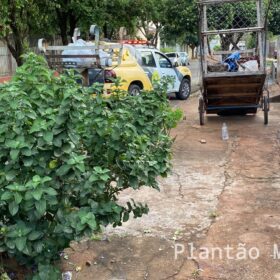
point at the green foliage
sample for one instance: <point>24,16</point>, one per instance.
<point>181,22</point>
<point>251,41</point>
<point>151,17</point>
<point>217,48</point>
<point>20,19</point>
<point>274,17</point>
<point>66,155</point>
<point>110,16</point>
<point>167,50</point>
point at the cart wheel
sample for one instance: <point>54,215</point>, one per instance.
<point>265,109</point>
<point>201,111</point>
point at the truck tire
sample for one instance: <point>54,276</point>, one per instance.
<point>185,90</point>
<point>134,90</point>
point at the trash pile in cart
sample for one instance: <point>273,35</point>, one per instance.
<point>234,63</point>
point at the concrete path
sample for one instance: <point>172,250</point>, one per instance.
<point>220,193</point>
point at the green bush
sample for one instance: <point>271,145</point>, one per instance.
<point>66,155</point>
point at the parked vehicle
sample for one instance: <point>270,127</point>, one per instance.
<point>175,58</point>
<point>141,63</point>
<point>134,62</point>
<point>184,58</point>
<point>155,62</point>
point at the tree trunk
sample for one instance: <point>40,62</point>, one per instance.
<point>17,48</point>
<point>235,42</point>
<point>192,48</point>
<point>225,42</point>
<point>111,34</point>
<point>72,22</point>
<point>155,39</point>
<point>62,21</point>
<point>105,30</point>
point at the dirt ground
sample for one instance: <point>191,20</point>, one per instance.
<point>220,193</point>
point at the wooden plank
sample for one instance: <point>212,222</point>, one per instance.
<point>211,2</point>
<point>234,30</point>
<point>247,111</point>
<point>232,87</point>
<point>231,101</point>
<point>233,74</point>
<point>212,95</point>
<point>230,52</point>
<point>232,95</point>
<point>232,82</point>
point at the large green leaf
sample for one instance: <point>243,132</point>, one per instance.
<point>6,195</point>
<point>11,243</point>
<point>50,191</point>
<point>48,136</point>
<point>66,148</point>
<point>37,193</point>
<point>27,161</point>
<point>20,243</point>
<point>14,154</point>
<point>13,208</point>
<point>63,170</point>
<point>38,125</point>
<point>33,235</point>
<point>41,206</point>
<point>18,197</point>
<point>10,175</point>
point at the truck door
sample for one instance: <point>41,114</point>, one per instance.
<point>148,63</point>
<point>166,69</point>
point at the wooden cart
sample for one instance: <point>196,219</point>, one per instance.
<point>228,91</point>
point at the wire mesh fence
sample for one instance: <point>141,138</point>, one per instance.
<point>233,35</point>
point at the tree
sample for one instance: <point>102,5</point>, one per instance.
<point>110,16</point>
<point>20,19</point>
<point>117,14</point>
<point>151,14</point>
<point>181,24</point>
<point>274,17</point>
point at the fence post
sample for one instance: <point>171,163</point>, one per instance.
<point>278,59</point>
